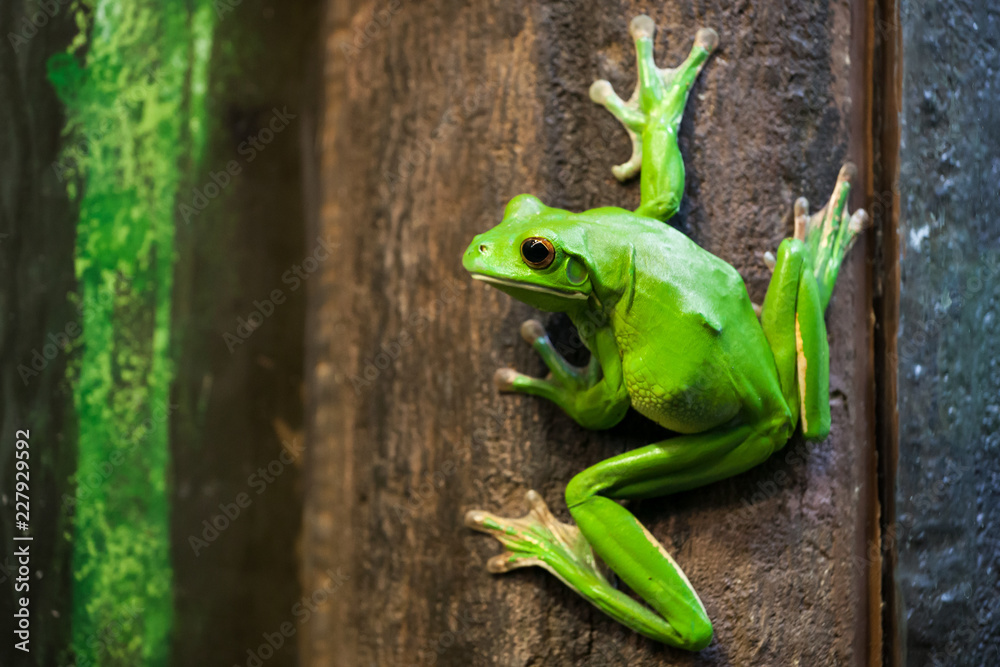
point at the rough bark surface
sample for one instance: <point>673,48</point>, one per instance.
<point>436,115</point>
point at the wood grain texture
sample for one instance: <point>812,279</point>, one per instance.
<point>433,121</point>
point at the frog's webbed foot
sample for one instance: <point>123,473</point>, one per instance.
<point>829,233</point>
<point>659,95</point>
<point>537,538</point>
<point>563,376</point>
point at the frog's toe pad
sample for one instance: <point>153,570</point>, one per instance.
<point>642,27</point>
<point>508,561</point>
<point>627,170</point>
<point>504,379</point>
<point>601,91</point>
<point>532,330</point>
<point>707,39</point>
<point>859,221</point>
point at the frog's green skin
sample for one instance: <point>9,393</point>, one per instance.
<point>672,332</point>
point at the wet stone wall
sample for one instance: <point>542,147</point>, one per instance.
<point>948,493</point>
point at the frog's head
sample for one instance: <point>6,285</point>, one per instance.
<point>536,254</point>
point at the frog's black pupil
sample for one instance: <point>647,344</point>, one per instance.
<point>534,251</point>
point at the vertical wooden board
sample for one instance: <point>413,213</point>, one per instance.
<point>436,115</point>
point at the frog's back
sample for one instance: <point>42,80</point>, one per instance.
<point>691,345</point>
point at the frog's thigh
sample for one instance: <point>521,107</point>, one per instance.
<point>813,360</point>
<point>778,315</point>
<point>681,463</point>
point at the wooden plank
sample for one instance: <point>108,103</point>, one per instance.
<point>434,119</point>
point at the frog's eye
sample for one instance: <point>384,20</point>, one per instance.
<point>537,252</point>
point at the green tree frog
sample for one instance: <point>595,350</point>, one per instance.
<point>672,333</point>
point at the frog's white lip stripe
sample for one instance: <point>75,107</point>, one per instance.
<point>529,286</point>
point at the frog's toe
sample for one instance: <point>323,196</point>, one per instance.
<point>531,331</point>
<point>801,218</point>
<point>859,222</point>
<point>508,561</point>
<point>505,379</point>
<point>642,27</point>
<point>537,538</point>
<point>601,91</point>
<point>835,228</point>
<point>830,233</point>
<point>627,170</point>
<point>707,39</point>
<point>770,261</point>
<point>518,551</point>
<point>484,522</point>
<point>848,172</point>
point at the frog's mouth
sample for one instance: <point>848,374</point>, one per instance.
<point>566,294</point>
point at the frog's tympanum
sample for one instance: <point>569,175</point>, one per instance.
<point>672,332</point>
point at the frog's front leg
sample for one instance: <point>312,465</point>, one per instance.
<point>652,118</point>
<point>562,372</point>
<point>594,396</point>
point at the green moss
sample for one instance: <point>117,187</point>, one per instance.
<point>134,84</point>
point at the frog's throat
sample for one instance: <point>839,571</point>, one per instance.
<point>529,286</point>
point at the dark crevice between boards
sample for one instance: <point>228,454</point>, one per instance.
<point>884,209</point>
<point>876,89</point>
<point>867,148</point>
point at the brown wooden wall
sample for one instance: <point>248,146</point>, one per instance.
<point>436,114</point>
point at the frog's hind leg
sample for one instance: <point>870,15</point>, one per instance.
<point>539,539</point>
<point>792,316</point>
<point>792,319</point>
<point>676,615</point>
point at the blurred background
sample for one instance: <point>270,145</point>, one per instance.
<point>254,382</point>
<point>156,160</point>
